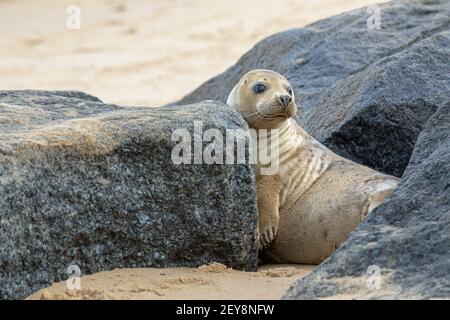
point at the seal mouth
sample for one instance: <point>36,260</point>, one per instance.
<point>284,115</point>
<point>278,116</point>
<point>274,111</point>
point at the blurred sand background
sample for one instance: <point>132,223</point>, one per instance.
<point>149,53</point>
<point>140,52</point>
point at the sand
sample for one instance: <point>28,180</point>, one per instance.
<point>149,53</point>
<point>140,52</point>
<point>214,281</point>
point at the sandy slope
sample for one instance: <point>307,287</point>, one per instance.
<point>207,282</point>
<point>146,52</point>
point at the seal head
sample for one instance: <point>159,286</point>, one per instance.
<point>264,98</point>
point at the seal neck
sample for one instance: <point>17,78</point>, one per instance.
<point>291,137</point>
<point>279,144</point>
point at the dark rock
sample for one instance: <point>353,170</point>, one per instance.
<point>375,116</point>
<point>93,184</point>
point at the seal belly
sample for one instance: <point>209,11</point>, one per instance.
<point>313,226</point>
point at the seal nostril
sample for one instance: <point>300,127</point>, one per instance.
<point>285,100</point>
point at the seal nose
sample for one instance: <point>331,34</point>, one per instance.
<point>285,100</point>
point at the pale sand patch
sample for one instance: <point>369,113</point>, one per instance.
<point>206,282</point>
<point>140,52</point>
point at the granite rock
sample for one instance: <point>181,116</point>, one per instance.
<point>92,184</point>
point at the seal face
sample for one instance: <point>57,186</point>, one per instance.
<point>316,198</point>
<point>265,99</point>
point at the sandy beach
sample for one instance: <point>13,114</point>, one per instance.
<point>140,52</point>
<point>149,53</point>
<point>211,282</point>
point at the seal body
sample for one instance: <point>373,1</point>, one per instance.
<point>309,206</point>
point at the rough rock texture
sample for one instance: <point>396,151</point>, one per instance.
<point>348,77</point>
<point>94,184</point>
<point>368,95</point>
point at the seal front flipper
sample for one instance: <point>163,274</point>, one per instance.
<point>268,190</point>
<point>381,187</point>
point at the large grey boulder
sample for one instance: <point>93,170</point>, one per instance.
<point>369,95</point>
<point>346,77</point>
<point>375,115</point>
<point>86,183</point>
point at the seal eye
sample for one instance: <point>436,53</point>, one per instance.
<point>259,88</point>
<point>290,91</point>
